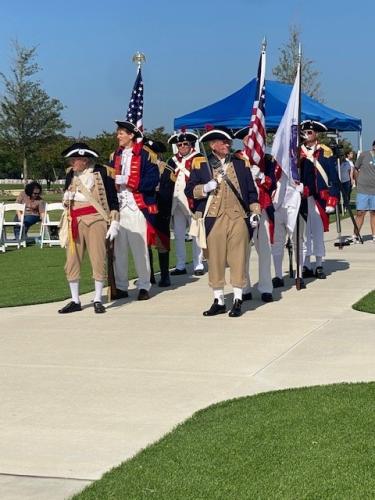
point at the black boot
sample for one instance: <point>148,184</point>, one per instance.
<point>164,269</point>
<point>152,276</point>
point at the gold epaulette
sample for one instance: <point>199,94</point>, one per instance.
<point>111,172</point>
<point>327,151</point>
<point>197,162</point>
<point>151,155</point>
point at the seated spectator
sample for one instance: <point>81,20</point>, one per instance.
<point>34,206</point>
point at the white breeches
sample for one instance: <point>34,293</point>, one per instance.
<point>314,230</point>
<point>263,247</point>
<point>133,235</point>
<point>181,222</point>
<point>284,219</point>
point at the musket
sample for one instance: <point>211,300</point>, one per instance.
<point>289,246</point>
<point>111,290</point>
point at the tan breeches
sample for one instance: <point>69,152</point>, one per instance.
<point>227,245</point>
<point>93,238</point>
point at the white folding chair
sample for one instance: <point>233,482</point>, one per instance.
<point>2,246</point>
<point>7,239</point>
<point>51,219</point>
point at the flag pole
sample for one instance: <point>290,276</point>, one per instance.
<point>298,228</point>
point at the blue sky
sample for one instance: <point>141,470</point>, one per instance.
<point>197,52</point>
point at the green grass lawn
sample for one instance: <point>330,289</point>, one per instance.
<point>366,304</point>
<point>311,443</point>
<point>35,275</point>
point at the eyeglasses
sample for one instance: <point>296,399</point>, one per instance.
<point>180,144</point>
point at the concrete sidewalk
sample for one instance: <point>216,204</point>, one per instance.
<point>83,392</point>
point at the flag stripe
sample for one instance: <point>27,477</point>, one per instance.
<point>256,142</point>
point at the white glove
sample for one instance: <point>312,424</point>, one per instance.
<point>255,171</point>
<point>113,230</point>
<point>120,179</point>
<point>210,186</point>
<point>299,187</point>
<point>254,220</point>
<point>330,210</point>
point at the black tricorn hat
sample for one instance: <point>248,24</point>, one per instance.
<point>216,133</point>
<point>243,132</point>
<point>155,146</point>
<point>79,150</point>
<point>313,125</point>
<point>130,127</point>
<point>182,137</point>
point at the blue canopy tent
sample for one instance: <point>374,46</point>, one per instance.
<point>234,111</point>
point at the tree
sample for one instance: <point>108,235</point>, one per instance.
<point>29,118</point>
<point>286,70</point>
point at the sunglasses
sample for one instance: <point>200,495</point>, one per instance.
<point>36,193</point>
<point>180,144</point>
<point>309,132</point>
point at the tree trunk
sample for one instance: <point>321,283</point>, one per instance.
<point>24,170</point>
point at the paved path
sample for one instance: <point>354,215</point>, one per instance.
<point>81,393</point>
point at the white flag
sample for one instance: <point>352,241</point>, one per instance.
<point>285,152</point>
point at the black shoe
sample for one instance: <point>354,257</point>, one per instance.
<point>277,282</point>
<point>99,308</point>
<point>247,296</point>
<point>71,308</point>
<point>307,273</point>
<point>320,274</point>
<point>164,282</point>
<point>215,309</point>
<point>302,285</point>
<point>235,312</point>
<point>199,272</point>
<point>152,279</point>
<point>121,294</point>
<point>178,272</point>
<point>267,297</point>
<point>143,294</point>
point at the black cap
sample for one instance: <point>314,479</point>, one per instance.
<point>313,125</point>
<point>155,146</point>
<point>243,132</point>
<point>182,137</point>
<point>79,150</point>
<point>130,127</point>
<point>216,133</point>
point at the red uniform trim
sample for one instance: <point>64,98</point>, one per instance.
<point>78,212</point>
<point>323,216</point>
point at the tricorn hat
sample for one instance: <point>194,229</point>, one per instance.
<point>155,146</point>
<point>182,137</point>
<point>313,125</point>
<point>130,127</point>
<point>216,133</point>
<point>79,150</point>
<point>243,132</point>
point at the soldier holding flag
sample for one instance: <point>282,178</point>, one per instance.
<point>137,176</point>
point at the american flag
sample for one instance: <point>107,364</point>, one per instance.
<point>135,110</point>
<point>256,143</point>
